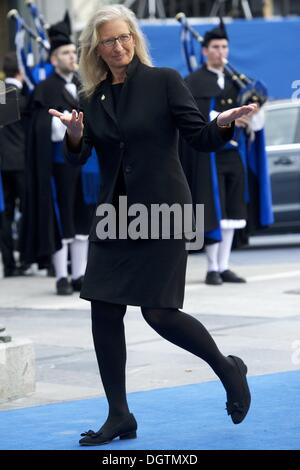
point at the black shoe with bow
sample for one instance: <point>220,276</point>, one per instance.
<point>125,429</point>
<point>239,406</point>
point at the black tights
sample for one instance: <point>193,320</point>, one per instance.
<point>172,324</point>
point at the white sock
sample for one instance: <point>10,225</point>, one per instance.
<point>60,262</point>
<point>212,256</point>
<point>225,248</point>
<point>79,249</point>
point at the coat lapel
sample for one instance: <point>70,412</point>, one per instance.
<point>66,95</point>
<point>104,95</point>
<point>121,111</point>
<point>69,98</point>
<point>105,99</point>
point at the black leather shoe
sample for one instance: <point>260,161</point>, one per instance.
<point>230,276</point>
<point>77,284</point>
<point>239,409</point>
<point>63,287</point>
<point>126,429</point>
<point>213,278</point>
<point>11,272</point>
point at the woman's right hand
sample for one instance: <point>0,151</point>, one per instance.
<point>73,122</point>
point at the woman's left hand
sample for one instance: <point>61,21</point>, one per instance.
<point>227,117</point>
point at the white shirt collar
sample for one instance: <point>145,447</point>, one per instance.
<point>217,71</point>
<point>67,77</point>
<point>221,76</point>
<point>14,81</point>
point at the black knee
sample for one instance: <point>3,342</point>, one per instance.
<point>156,317</point>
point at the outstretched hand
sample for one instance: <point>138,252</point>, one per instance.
<point>227,117</point>
<point>73,122</point>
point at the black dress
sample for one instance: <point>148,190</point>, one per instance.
<point>130,272</point>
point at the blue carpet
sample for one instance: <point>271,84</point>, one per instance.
<point>187,418</point>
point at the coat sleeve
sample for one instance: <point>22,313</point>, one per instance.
<point>202,136</point>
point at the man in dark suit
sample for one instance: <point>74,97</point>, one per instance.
<point>219,180</point>
<point>12,161</point>
<point>58,216</point>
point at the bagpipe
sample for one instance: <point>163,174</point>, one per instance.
<point>35,67</point>
<point>251,91</point>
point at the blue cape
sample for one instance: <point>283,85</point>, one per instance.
<point>90,174</point>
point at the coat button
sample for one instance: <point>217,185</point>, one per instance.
<point>128,169</point>
<point>122,145</point>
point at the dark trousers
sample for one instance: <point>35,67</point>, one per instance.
<point>231,178</point>
<point>13,188</point>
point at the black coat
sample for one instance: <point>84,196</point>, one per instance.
<point>41,236</point>
<point>197,167</point>
<point>13,137</point>
<point>141,139</point>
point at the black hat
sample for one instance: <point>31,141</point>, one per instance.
<point>216,33</point>
<point>10,64</point>
<point>59,33</point>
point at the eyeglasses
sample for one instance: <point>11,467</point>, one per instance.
<point>122,39</point>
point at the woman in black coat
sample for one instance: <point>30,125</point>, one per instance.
<point>131,114</point>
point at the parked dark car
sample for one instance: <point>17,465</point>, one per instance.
<point>283,149</point>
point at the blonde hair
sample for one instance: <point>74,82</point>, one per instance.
<point>92,68</point>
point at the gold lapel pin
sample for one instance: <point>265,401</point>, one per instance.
<point>102,97</point>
